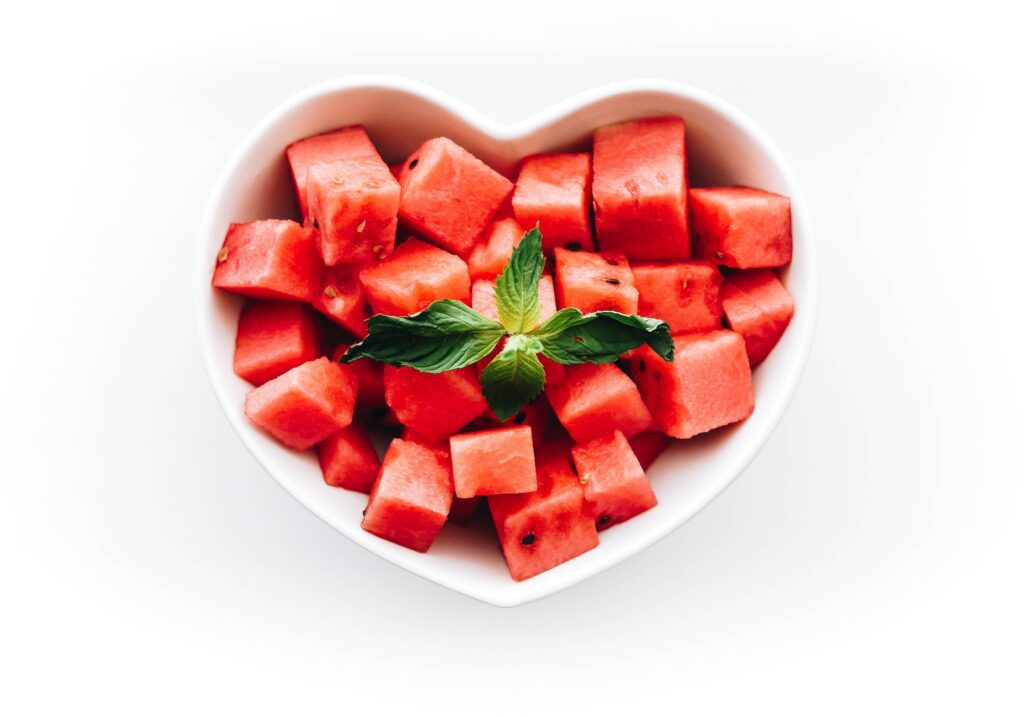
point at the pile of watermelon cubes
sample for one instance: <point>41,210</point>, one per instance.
<point>622,231</point>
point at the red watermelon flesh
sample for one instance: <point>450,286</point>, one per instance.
<point>343,300</point>
<point>593,400</point>
<point>328,147</point>
<point>434,405</point>
<point>416,275</point>
<point>348,459</point>
<point>741,227</point>
<point>494,461</point>
<point>492,253</point>
<point>707,386</point>
<point>307,404</point>
<point>758,306</point>
<point>684,294</point>
<point>354,204</point>
<point>449,196</point>
<point>274,337</point>
<point>594,282</point>
<point>370,376</point>
<point>412,496</point>
<point>269,259</point>
<point>554,191</point>
<point>545,528</point>
<point>614,484</point>
<point>648,446</point>
<point>640,180</point>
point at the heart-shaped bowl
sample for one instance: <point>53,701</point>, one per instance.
<point>725,148</point>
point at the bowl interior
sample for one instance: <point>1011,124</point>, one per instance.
<point>724,148</point>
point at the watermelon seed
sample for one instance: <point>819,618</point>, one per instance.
<point>377,249</point>
<point>720,255</point>
<point>643,365</point>
<point>338,180</point>
<point>574,246</point>
<point>604,520</point>
<point>412,164</point>
<point>316,224</point>
<point>360,227</point>
<point>613,282</point>
<point>520,417</point>
<point>364,512</point>
<point>330,292</point>
<point>222,256</point>
<point>528,539</point>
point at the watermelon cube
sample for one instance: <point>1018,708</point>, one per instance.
<point>348,459</point>
<point>342,299</point>
<point>554,191</point>
<point>707,386</point>
<point>684,294</point>
<point>274,337</point>
<point>354,204</point>
<point>304,406</point>
<point>433,405</point>
<point>593,400</point>
<point>269,259</point>
<point>370,377</point>
<point>648,446</point>
<point>594,282</point>
<point>492,253</point>
<point>640,180</point>
<point>449,196</point>
<point>494,461</point>
<point>343,143</point>
<point>412,278</point>
<point>757,306</point>
<point>549,526</point>
<point>614,484</point>
<point>741,227</point>
<point>411,498</point>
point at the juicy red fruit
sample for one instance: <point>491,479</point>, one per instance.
<point>416,275</point>
<point>594,399</point>
<point>758,306</point>
<point>741,227</point>
<point>434,405</point>
<point>494,461</point>
<point>553,190</point>
<point>348,459</point>
<point>614,484</point>
<point>274,337</point>
<point>269,259</point>
<point>343,143</point>
<point>594,281</point>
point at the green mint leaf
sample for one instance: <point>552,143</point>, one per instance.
<point>445,336</point>
<point>514,378</point>
<point>516,288</point>
<point>569,337</point>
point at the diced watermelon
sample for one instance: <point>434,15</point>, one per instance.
<point>495,461</point>
<point>328,147</point>
<point>307,404</point>
<point>416,275</point>
<point>370,376</point>
<point>707,386</point>
<point>411,498</point>
<point>554,190</point>
<point>758,306</point>
<point>648,446</point>
<point>492,253</point>
<point>449,196</point>
<point>434,405</point>
<point>614,484</point>
<point>594,399</point>
<point>354,204</point>
<point>343,300</point>
<point>684,294</point>
<point>269,259</point>
<point>545,528</point>
<point>485,303</point>
<point>741,227</point>
<point>640,180</point>
<point>274,337</point>
<point>594,282</point>
<point>348,459</point>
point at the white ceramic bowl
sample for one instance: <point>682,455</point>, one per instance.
<point>725,147</point>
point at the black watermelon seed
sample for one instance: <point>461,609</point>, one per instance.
<point>643,365</point>
<point>573,246</point>
<point>604,520</point>
<point>412,164</point>
<point>316,224</point>
<point>520,417</point>
<point>613,282</point>
<point>528,539</point>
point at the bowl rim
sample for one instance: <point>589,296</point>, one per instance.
<point>515,593</point>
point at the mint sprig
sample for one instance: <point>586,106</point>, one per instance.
<point>449,335</point>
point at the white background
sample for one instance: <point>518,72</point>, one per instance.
<point>868,562</point>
